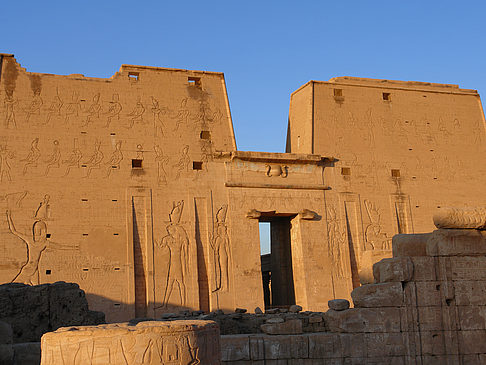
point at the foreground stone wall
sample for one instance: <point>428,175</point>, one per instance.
<point>426,306</point>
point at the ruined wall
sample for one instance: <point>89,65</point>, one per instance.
<point>402,149</point>
<point>425,307</point>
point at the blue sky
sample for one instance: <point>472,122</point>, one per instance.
<point>266,49</point>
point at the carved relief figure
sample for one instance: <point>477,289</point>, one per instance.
<point>5,155</point>
<point>74,159</point>
<point>183,163</point>
<point>55,107</point>
<point>177,242</point>
<point>35,105</point>
<point>32,157</point>
<point>375,239</point>
<point>115,159</point>
<point>93,109</point>
<point>161,161</point>
<point>136,115</point>
<point>221,250</point>
<point>9,103</point>
<point>72,108</point>
<point>94,161</point>
<point>182,115</point>
<point>54,160</point>
<point>336,241</point>
<point>157,112</point>
<point>114,109</point>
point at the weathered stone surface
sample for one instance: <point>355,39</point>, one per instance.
<point>423,268</point>
<point>469,218</point>
<point>235,347</point>
<point>289,327</point>
<point>470,292</point>
<point>28,353</point>
<point>275,320</point>
<point>6,334</point>
<point>364,320</point>
<point>338,304</point>
<point>456,242</point>
<point>325,346</point>
<point>295,308</point>
<point>147,342</point>
<point>6,354</point>
<point>405,245</point>
<point>396,269</point>
<point>378,295</point>
<point>258,310</point>
<point>34,310</point>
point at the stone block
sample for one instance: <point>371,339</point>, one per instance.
<point>338,304</point>
<point>437,318</point>
<point>6,335</point>
<point>6,355</point>
<point>423,268</point>
<point>427,293</point>
<point>289,327</point>
<point>353,345</point>
<point>295,308</point>
<point>384,344</point>
<point>325,346</point>
<point>28,353</point>
<point>235,347</point>
<point>469,218</point>
<point>299,346</point>
<point>395,269</point>
<point>472,317</point>
<point>405,245</point>
<point>472,342</point>
<point>387,360</point>
<point>470,292</point>
<point>364,320</point>
<point>378,295</point>
<point>439,342</point>
<point>315,318</point>
<point>467,268</point>
<point>257,347</point>
<point>117,344</point>
<point>277,347</point>
<point>456,242</point>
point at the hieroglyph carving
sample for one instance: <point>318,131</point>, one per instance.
<point>375,239</point>
<point>177,242</point>
<point>461,218</point>
<point>277,170</point>
<point>336,240</point>
<point>220,244</point>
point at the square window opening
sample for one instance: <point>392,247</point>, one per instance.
<point>338,92</point>
<point>387,96</point>
<point>395,173</point>
<point>197,165</point>
<point>136,163</point>
<point>48,272</point>
<point>133,76</point>
<point>346,171</point>
<point>205,135</point>
<point>194,81</point>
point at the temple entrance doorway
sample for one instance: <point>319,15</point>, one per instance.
<point>276,260</point>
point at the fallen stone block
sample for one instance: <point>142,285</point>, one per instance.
<point>405,245</point>
<point>338,304</point>
<point>290,327</point>
<point>378,295</point>
<point>156,343</point>
<point>456,242</point>
<point>295,308</point>
<point>457,218</point>
<point>395,269</point>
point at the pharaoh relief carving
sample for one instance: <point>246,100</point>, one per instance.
<point>157,112</point>
<point>336,240</point>
<point>220,245</point>
<point>375,239</point>
<point>115,159</point>
<point>277,170</point>
<point>10,102</point>
<point>74,160</point>
<point>177,242</point>
<point>32,157</point>
<point>5,156</point>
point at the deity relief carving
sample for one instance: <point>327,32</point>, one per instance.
<point>177,243</point>
<point>32,157</point>
<point>72,108</point>
<point>54,108</point>
<point>161,160</point>
<point>93,110</point>
<point>158,112</point>
<point>220,245</point>
<point>35,106</point>
<point>114,110</point>
<point>10,102</point>
<point>375,239</point>
<point>115,159</point>
<point>183,163</point>
<point>136,115</point>
<point>277,170</point>
<point>54,160</point>
<point>74,159</point>
<point>94,161</point>
<point>336,240</point>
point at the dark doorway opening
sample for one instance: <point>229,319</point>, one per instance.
<point>277,275</point>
